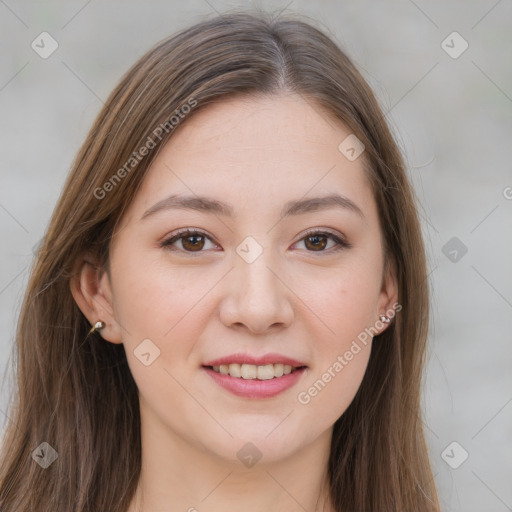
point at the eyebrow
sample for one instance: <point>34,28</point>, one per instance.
<point>208,205</point>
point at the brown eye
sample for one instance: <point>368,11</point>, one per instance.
<point>191,242</point>
<point>195,241</point>
<point>316,242</point>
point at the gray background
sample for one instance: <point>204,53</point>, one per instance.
<point>451,116</point>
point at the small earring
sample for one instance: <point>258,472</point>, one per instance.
<point>97,326</point>
<point>384,319</point>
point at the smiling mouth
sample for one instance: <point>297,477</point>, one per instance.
<point>254,372</point>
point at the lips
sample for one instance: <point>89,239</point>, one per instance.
<point>256,361</point>
<point>255,377</point>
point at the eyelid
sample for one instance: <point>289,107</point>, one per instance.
<point>323,231</point>
<point>175,236</point>
<point>339,239</point>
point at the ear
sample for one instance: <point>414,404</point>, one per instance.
<point>387,303</point>
<point>92,291</point>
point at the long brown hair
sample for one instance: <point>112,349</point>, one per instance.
<point>75,391</point>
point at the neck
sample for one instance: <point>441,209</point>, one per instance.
<point>177,476</point>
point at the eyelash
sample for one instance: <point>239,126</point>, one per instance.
<point>184,233</point>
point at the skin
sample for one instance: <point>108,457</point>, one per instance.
<point>255,154</point>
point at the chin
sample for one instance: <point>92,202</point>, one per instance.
<point>264,442</point>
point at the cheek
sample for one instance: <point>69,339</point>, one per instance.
<point>165,313</point>
<point>344,306</point>
<point>165,305</point>
<point>152,297</point>
<point>332,383</point>
<point>342,301</point>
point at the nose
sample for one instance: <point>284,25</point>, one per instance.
<point>258,296</point>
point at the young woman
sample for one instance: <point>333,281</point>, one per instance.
<point>229,309</point>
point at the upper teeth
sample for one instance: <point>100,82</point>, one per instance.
<point>251,371</point>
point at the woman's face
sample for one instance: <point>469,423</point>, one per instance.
<point>249,284</point>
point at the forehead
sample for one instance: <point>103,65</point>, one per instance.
<point>256,153</point>
<point>271,126</point>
